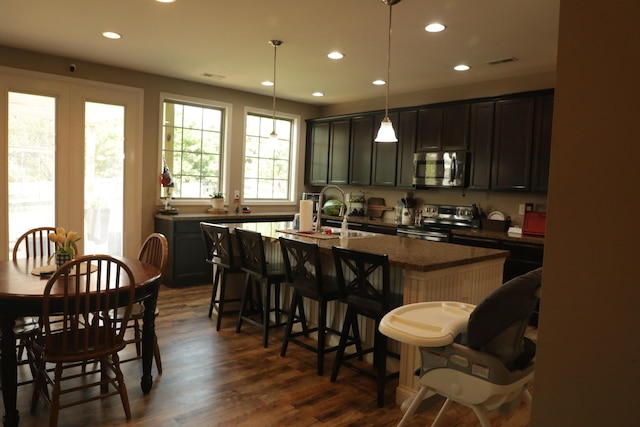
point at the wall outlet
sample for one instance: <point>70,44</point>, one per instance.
<point>236,194</point>
<point>521,209</point>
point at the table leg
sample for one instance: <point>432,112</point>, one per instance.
<point>9,368</point>
<point>148,339</point>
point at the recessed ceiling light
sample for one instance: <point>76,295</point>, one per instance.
<point>379,82</point>
<point>111,35</point>
<point>317,94</point>
<point>461,67</point>
<point>434,28</point>
<point>267,83</point>
<point>165,1</point>
<point>335,55</point>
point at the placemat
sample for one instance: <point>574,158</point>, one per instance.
<point>51,268</point>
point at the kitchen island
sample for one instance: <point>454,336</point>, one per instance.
<point>421,270</point>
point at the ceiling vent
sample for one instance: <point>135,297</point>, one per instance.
<point>502,61</point>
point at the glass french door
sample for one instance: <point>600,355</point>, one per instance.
<point>70,149</point>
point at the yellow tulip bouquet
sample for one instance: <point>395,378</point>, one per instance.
<point>64,242</point>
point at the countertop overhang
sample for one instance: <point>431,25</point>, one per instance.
<point>409,254</point>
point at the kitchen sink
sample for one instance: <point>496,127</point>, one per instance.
<point>334,231</point>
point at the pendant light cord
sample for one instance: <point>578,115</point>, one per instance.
<point>275,44</point>
<point>386,105</point>
<point>275,57</point>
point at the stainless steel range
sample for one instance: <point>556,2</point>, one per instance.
<point>436,222</point>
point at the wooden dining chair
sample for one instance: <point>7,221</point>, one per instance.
<point>219,251</point>
<point>154,251</point>
<point>32,244</point>
<point>79,292</point>
<point>358,273</point>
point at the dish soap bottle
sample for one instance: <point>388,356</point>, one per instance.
<point>344,230</point>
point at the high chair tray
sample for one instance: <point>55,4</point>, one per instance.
<point>427,324</point>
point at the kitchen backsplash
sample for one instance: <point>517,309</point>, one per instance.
<point>507,203</point>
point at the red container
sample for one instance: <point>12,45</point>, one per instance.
<point>535,223</point>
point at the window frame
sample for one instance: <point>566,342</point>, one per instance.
<point>293,156</point>
<point>225,133</point>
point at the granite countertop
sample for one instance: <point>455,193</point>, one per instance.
<point>498,235</point>
<point>409,254</point>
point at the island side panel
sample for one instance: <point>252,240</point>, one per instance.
<point>467,283</point>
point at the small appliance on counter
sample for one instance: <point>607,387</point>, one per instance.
<point>535,223</point>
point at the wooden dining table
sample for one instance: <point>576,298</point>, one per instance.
<point>21,294</point>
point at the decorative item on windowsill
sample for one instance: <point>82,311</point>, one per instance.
<point>166,180</point>
<point>217,203</point>
<point>64,245</point>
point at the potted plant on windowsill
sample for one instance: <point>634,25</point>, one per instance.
<point>217,200</point>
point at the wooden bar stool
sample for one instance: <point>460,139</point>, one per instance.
<point>304,274</point>
<point>356,271</point>
<point>266,276</point>
<point>220,252</point>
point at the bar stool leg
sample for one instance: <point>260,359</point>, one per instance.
<point>216,281</point>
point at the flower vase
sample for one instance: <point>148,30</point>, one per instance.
<point>61,258</point>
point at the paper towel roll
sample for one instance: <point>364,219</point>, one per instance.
<point>306,215</point>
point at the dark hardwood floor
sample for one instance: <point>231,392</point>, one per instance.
<point>226,379</point>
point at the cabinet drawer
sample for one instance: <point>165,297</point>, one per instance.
<point>476,241</point>
<point>187,227</point>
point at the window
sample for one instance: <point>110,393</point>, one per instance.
<point>192,148</point>
<point>268,166</point>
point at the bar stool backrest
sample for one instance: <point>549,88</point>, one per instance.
<point>218,243</point>
<point>356,271</point>
<point>302,264</point>
<point>251,250</point>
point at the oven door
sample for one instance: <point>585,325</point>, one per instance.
<point>435,235</point>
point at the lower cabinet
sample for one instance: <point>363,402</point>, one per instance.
<point>523,257</point>
<point>186,264</point>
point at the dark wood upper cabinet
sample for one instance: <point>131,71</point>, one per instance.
<point>508,137</point>
<point>455,127</point>
<point>385,154</point>
<point>361,149</point>
<point>443,127</point>
<point>339,152</point>
<point>480,144</point>
<point>429,136</point>
<point>542,143</point>
<point>513,135</point>
<point>407,126</point>
<point>318,149</point>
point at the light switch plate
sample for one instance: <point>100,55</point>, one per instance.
<point>521,209</point>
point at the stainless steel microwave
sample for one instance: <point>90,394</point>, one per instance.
<point>441,169</point>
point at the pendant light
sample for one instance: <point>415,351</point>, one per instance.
<point>386,132</point>
<point>275,44</point>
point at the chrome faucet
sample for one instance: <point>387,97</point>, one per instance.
<point>320,200</point>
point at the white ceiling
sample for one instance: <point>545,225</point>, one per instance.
<point>188,38</point>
